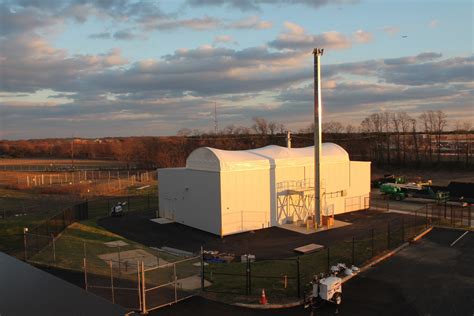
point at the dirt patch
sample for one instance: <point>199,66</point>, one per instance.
<point>129,260</point>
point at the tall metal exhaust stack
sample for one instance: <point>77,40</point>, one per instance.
<point>317,52</point>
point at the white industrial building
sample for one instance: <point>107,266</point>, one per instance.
<point>226,192</point>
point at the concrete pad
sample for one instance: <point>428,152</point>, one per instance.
<point>309,248</point>
<point>116,243</point>
<point>303,230</point>
<point>192,283</point>
<point>129,259</point>
<point>161,220</point>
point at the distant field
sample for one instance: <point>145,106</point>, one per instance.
<point>58,162</point>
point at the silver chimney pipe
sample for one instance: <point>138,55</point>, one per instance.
<point>288,139</point>
<point>317,52</point>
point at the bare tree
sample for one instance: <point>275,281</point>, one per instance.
<point>272,127</point>
<point>332,127</point>
<point>466,127</point>
<point>260,125</point>
<point>386,125</point>
<point>350,129</point>
<point>282,128</point>
<point>307,130</point>
<point>439,122</point>
<point>184,132</point>
<point>396,124</point>
<point>373,124</point>
<point>415,140</point>
<point>229,129</point>
<point>405,124</point>
<point>242,130</point>
<point>426,120</point>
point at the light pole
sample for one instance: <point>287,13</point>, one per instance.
<point>317,52</point>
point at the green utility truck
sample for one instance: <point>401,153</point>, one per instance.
<point>392,191</point>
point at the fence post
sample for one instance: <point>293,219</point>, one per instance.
<point>119,263</point>
<point>373,250</point>
<point>85,273</point>
<point>298,286</point>
<point>128,203</point>
<point>329,264</point>
<point>202,269</point>
<point>139,289</point>
<point>175,283</point>
<point>426,216</point>
<point>25,230</point>
<point>250,277</point>
<point>54,248</point>
<point>144,311</point>
<point>469,217</point>
<point>452,219</point>
<point>403,230</point>
<point>112,281</point>
<point>247,275</point>
<point>388,234</point>
<point>353,253</point>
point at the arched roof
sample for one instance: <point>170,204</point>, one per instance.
<point>212,159</point>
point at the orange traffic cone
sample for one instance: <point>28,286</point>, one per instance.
<point>263,298</point>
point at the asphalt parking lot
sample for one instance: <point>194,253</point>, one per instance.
<point>269,243</point>
<point>430,277</point>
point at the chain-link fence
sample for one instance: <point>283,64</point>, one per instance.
<point>283,278</point>
<point>117,270</point>
<point>130,203</point>
<point>450,215</point>
<point>442,213</point>
<point>379,202</point>
<point>170,283</point>
<point>117,281</point>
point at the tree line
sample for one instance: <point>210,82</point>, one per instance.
<point>385,138</point>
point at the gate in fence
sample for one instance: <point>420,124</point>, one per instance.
<point>136,286</point>
<point>113,280</point>
<point>170,283</point>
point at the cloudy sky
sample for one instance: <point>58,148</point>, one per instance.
<point>119,68</point>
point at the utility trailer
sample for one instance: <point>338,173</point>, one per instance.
<point>416,190</point>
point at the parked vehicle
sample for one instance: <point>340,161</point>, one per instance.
<point>117,209</point>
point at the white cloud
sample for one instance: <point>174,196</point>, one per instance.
<point>391,30</point>
<point>251,22</point>
<point>433,24</point>
<point>295,38</point>
<point>224,39</point>
<point>361,36</point>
